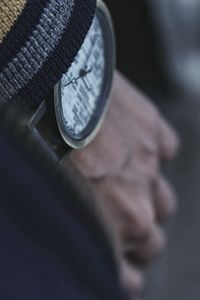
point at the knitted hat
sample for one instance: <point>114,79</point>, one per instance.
<point>39,40</point>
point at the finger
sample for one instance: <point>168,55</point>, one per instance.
<point>164,199</point>
<point>168,140</point>
<point>133,210</point>
<point>131,278</point>
<point>146,250</point>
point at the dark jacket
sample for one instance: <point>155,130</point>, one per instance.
<point>51,244</point>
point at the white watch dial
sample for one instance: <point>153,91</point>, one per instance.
<point>81,86</point>
<point>82,94</point>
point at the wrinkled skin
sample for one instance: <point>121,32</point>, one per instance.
<point>122,165</point>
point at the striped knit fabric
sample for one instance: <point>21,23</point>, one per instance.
<point>39,40</point>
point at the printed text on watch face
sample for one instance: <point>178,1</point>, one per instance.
<point>81,86</point>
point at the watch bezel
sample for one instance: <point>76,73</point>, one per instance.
<point>80,143</point>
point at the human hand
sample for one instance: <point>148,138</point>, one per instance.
<point>122,166</point>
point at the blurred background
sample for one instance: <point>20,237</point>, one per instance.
<point>158,44</point>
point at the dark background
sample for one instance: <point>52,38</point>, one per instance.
<point>138,54</point>
<point>177,273</point>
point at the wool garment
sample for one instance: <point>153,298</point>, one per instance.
<point>38,42</point>
<point>9,11</point>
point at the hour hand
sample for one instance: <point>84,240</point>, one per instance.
<point>82,74</point>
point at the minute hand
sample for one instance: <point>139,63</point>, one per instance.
<point>82,74</point>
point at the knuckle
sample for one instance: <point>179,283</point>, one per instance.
<point>143,220</point>
<point>150,248</point>
<point>168,139</point>
<point>165,200</point>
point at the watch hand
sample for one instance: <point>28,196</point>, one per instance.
<point>82,71</point>
<point>82,74</point>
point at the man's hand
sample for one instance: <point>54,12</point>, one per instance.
<point>122,166</point>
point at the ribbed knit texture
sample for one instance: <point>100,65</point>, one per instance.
<point>9,12</point>
<point>40,40</point>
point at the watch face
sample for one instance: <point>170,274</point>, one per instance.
<point>82,94</point>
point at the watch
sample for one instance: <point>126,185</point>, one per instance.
<point>73,112</point>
